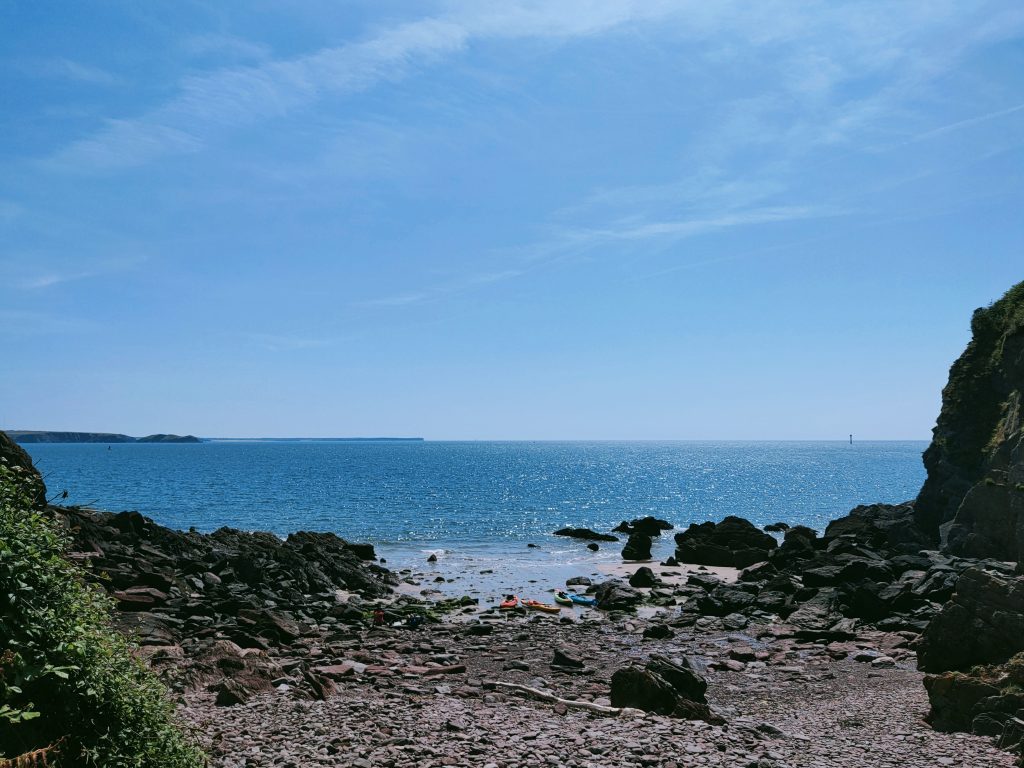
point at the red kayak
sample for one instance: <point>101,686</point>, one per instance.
<point>510,602</point>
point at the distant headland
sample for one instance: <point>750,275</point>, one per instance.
<point>34,436</point>
<point>37,436</point>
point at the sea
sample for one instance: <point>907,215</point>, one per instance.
<point>478,506</point>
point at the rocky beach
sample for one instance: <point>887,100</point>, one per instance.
<point>890,638</point>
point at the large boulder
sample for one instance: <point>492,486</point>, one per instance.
<point>616,595</point>
<point>664,687</point>
<point>17,460</point>
<point>733,542</point>
<point>982,624</point>
<point>973,497</point>
<point>638,547</point>
<point>890,527</point>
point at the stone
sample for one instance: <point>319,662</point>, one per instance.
<point>953,696</point>
<point>643,577</point>
<point>647,525</point>
<point>616,595</point>
<point>585,533</point>
<point>565,658</point>
<point>983,623</point>
<point>231,692</point>
<point>638,547</point>
<point>663,687</point>
<point>658,632</point>
<point>733,542</point>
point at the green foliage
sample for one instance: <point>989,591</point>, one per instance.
<point>67,678</point>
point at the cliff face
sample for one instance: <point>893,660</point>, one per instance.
<point>973,499</point>
<point>14,457</point>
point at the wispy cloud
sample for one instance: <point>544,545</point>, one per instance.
<point>71,70</point>
<point>444,290</point>
<point>683,228</point>
<point>282,342</point>
<point>20,323</point>
<point>31,277</point>
<point>971,121</point>
<point>224,45</point>
<point>824,47</point>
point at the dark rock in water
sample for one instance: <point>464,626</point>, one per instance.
<point>733,542</point>
<point>649,526</point>
<point>531,546</point>
<point>585,533</point>
<point>638,547</point>
<point>800,533</point>
<point>974,494</point>
<point>432,559</point>
<point>593,546</point>
<point>892,527</point>
<point>16,459</point>
<point>670,562</point>
<point>659,632</point>
<point>578,581</point>
<point>616,595</point>
<point>982,624</point>
<point>363,551</point>
<point>643,577</point>
<point>662,687</point>
<point>777,527</point>
<point>565,658</point>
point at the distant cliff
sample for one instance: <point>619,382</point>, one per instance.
<point>29,436</point>
<point>973,499</point>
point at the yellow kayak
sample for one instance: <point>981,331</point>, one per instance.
<point>536,605</point>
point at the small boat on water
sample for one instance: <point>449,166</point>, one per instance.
<point>510,602</point>
<point>536,605</point>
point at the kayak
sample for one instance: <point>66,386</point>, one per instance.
<point>509,603</point>
<point>562,598</point>
<point>582,599</point>
<point>536,605</point>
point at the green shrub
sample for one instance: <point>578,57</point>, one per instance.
<point>69,684</point>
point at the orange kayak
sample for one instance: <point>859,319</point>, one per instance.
<point>536,605</point>
<point>509,603</point>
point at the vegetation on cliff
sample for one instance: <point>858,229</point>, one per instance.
<point>71,692</point>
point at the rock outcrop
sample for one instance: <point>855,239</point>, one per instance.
<point>983,623</point>
<point>973,499</point>
<point>585,533</point>
<point>647,525</point>
<point>733,542</point>
<point>638,547</point>
<point>211,607</point>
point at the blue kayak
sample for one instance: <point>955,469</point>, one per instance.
<point>582,599</point>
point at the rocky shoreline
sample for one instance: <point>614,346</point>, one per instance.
<point>807,657</point>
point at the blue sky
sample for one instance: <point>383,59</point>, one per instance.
<point>502,219</point>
